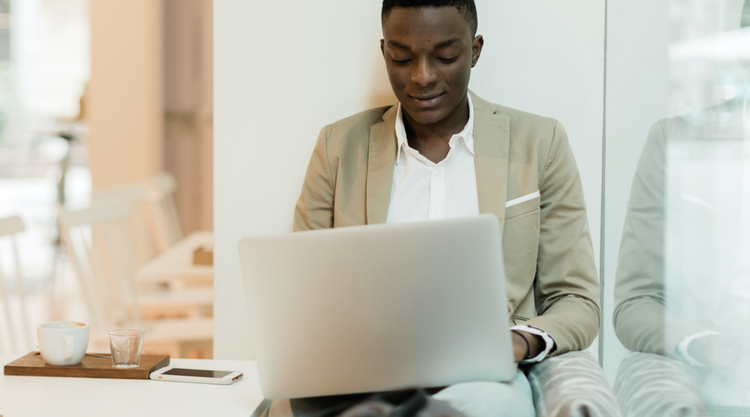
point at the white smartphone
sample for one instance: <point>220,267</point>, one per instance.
<point>198,376</point>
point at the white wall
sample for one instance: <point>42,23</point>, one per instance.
<point>285,69</point>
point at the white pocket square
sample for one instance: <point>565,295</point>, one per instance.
<point>522,199</point>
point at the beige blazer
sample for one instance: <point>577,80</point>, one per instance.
<point>552,282</point>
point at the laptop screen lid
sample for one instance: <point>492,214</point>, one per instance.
<point>378,308</point>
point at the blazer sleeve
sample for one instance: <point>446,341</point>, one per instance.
<point>314,209</point>
<point>641,316</point>
<point>566,288</point>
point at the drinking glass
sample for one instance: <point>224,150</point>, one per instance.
<point>126,348</point>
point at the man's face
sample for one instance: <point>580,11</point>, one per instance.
<point>429,53</point>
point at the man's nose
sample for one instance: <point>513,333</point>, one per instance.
<point>424,73</point>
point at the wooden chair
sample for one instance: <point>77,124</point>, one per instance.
<point>103,243</point>
<point>15,323</point>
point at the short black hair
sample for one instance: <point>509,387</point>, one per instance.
<point>466,7</point>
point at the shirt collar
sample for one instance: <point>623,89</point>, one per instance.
<point>467,134</point>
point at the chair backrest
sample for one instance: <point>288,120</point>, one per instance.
<point>103,243</point>
<point>153,198</point>
<point>165,219</point>
<point>15,320</point>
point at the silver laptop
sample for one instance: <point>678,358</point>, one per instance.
<point>378,308</point>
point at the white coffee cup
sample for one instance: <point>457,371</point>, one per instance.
<point>63,342</point>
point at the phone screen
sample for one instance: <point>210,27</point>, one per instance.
<point>197,373</point>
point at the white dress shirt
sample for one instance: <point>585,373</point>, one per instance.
<point>424,190</point>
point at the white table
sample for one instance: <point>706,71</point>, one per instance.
<point>61,397</point>
<point>175,266</point>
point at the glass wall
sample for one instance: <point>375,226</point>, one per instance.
<point>676,252</point>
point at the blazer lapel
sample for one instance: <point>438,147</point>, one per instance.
<point>491,144</point>
<point>381,160</point>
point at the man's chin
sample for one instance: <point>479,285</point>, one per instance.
<point>426,117</point>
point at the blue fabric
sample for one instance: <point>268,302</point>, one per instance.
<point>491,399</point>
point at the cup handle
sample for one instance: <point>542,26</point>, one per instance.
<point>69,347</point>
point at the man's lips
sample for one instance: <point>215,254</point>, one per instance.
<point>427,100</point>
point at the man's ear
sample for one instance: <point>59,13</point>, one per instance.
<point>382,47</point>
<point>476,49</point>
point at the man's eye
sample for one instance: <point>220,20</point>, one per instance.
<point>448,60</point>
<point>401,61</point>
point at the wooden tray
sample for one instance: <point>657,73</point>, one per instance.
<point>99,366</point>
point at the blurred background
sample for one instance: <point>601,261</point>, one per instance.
<point>106,130</point>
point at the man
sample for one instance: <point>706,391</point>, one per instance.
<point>444,152</point>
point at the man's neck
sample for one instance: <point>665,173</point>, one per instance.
<point>432,141</point>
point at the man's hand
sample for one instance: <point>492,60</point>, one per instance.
<point>526,345</point>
